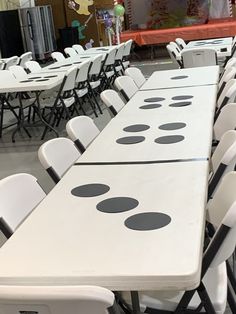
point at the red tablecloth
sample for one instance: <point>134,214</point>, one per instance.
<point>214,29</point>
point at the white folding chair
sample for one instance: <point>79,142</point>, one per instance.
<point>126,86</point>
<point>227,95</point>
<point>137,75</point>
<point>33,66</point>
<point>126,54</point>
<point>56,300</point>
<point>64,100</point>
<point>223,159</point>
<point>229,74</point>
<point>70,52</point>
<point>94,78</point>
<point>9,62</point>
<point>225,121</point>
<point>57,56</point>
<point>78,48</point>
<point>24,58</point>
<point>19,194</point>
<point>57,156</point>
<point>112,100</point>
<point>211,294</point>
<point>181,43</point>
<point>118,59</point>
<point>82,87</point>
<point>192,58</point>
<point>108,68</point>
<point>18,72</point>
<point>82,131</point>
<point>174,54</point>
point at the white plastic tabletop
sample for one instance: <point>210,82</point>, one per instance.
<point>75,240</point>
<point>210,42</point>
<point>34,82</point>
<point>183,78</point>
<point>190,125</point>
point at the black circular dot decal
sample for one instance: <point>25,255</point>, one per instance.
<point>35,77</point>
<point>147,221</point>
<point>171,139</point>
<point>180,77</point>
<point>117,205</point>
<point>130,140</point>
<point>50,76</point>
<point>181,104</point>
<point>90,190</point>
<point>151,106</point>
<point>42,80</point>
<point>136,128</point>
<point>182,97</point>
<point>26,81</point>
<point>154,99</point>
<point>172,126</point>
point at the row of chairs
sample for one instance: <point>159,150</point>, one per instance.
<point>15,60</point>
<point>191,58</point>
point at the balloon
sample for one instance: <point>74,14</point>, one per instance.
<point>119,10</point>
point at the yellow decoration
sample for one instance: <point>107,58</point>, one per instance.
<point>83,6</point>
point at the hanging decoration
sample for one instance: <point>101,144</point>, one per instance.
<point>119,12</point>
<point>108,26</point>
<point>83,8</point>
<point>81,27</point>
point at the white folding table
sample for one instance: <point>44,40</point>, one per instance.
<point>183,78</point>
<point>74,240</point>
<point>222,46</point>
<point>194,118</point>
<point>34,83</point>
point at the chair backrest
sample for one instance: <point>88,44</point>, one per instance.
<point>174,54</point>
<point>120,52</point>
<point>70,52</point>
<point>9,62</point>
<point>7,76</point>
<point>78,48</point>
<point>70,79</point>
<point>24,58</point>
<point>223,159</point>
<point>57,156</point>
<point>110,58</point>
<point>82,131</point>
<point>127,49</point>
<point>33,66</point>
<point>226,121</point>
<point>137,75</point>
<point>83,71</point>
<point>221,213</point>
<point>227,95</point>
<point>112,100</point>
<point>126,86</point>
<point>229,74</point>
<point>181,43</point>
<point>199,57</point>
<point>19,194</point>
<point>56,300</point>
<point>96,65</point>
<point>172,43</point>
<point>230,63</point>
<point>57,56</point>
<point>18,72</point>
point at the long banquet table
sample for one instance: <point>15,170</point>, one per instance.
<point>126,217</point>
